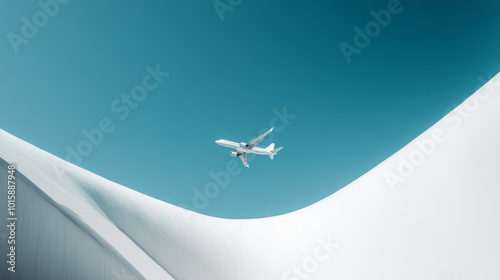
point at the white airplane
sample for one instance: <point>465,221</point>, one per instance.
<point>243,148</point>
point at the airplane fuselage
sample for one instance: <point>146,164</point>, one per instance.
<point>241,147</point>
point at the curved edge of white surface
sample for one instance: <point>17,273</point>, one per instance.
<point>430,211</point>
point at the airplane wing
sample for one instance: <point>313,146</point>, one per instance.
<point>252,143</point>
<point>243,158</point>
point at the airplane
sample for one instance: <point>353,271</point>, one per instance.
<point>250,147</point>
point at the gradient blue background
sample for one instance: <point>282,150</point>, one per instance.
<point>226,78</point>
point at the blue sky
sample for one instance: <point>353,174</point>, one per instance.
<point>232,72</point>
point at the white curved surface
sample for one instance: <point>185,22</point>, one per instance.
<point>439,220</point>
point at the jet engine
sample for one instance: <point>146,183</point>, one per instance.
<point>234,154</point>
<point>243,145</point>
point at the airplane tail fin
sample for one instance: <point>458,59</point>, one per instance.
<point>270,147</point>
<point>274,151</point>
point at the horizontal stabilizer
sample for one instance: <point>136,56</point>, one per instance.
<point>275,151</point>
